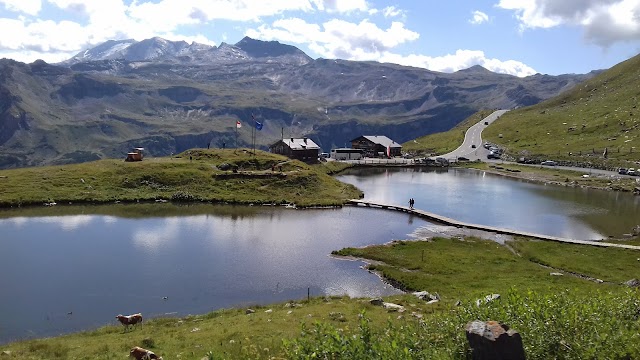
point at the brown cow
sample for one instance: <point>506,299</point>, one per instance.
<point>139,353</point>
<point>130,320</point>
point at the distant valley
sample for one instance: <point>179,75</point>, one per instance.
<point>171,96</point>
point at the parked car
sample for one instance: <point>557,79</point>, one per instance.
<point>622,171</point>
<point>442,161</point>
<point>462,158</point>
<point>633,172</point>
<point>549,163</point>
<point>524,160</point>
<point>493,155</point>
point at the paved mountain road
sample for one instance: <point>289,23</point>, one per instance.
<point>473,136</point>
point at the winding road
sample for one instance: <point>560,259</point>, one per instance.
<point>473,136</point>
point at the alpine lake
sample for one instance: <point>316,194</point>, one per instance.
<point>69,268</point>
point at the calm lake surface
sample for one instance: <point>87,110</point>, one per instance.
<point>73,268</point>
<point>483,198</point>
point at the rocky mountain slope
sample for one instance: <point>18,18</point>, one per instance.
<point>171,96</point>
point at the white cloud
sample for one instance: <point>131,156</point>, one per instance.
<point>605,22</point>
<point>478,17</point>
<point>341,6</point>
<point>179,12</point>
<point>338,38</point>
<point>462,59</point>
<point>30,7</point>
<point>392,11</point>
<point>102,20</point>
<point>39,39</point>
<point>366,41</point>
<point>28,39</point>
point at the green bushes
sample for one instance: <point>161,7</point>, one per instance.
<point>553,326</point>
<point>565,326</point>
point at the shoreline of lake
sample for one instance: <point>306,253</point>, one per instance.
<point>575,182</point>
<point>187,252</point>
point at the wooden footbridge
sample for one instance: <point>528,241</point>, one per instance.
<point>448,221</point>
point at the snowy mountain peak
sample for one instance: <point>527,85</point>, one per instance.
<point>112,49</point>
<point>159,49</point>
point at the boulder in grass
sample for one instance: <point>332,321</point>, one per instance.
<point>492,340</point>
<point>634,283</point>
<point>426,296</point>
<point>487,299</point>
<point>393,307</point>
<point>376,301</point>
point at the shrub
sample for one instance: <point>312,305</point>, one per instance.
<point>552,326</point>
<point>183,196</point>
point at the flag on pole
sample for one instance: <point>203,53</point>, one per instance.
<point>238,124</point>
<point>258,125</point>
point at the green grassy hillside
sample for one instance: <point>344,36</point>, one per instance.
<point>576,126</point>
<point>598,114</point>
<point>195,175</point>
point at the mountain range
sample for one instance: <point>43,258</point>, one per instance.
<point>169,96</point>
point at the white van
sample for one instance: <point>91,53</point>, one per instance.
<point>346,154</point>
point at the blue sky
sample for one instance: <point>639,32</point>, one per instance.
<point>519,37</point>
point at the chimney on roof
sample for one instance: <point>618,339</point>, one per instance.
<point>305,140</point>
<point>292,140</point>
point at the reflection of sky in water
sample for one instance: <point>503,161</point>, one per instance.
<point>486,199</point>
<point>67,223</point>
<point>99,266</point>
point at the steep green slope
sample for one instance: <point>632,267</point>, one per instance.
<point>577,126</point>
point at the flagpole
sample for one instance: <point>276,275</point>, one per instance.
<point>236,134</point>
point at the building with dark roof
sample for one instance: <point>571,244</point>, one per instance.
<point>303,149</point>
<point>377,146</point>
